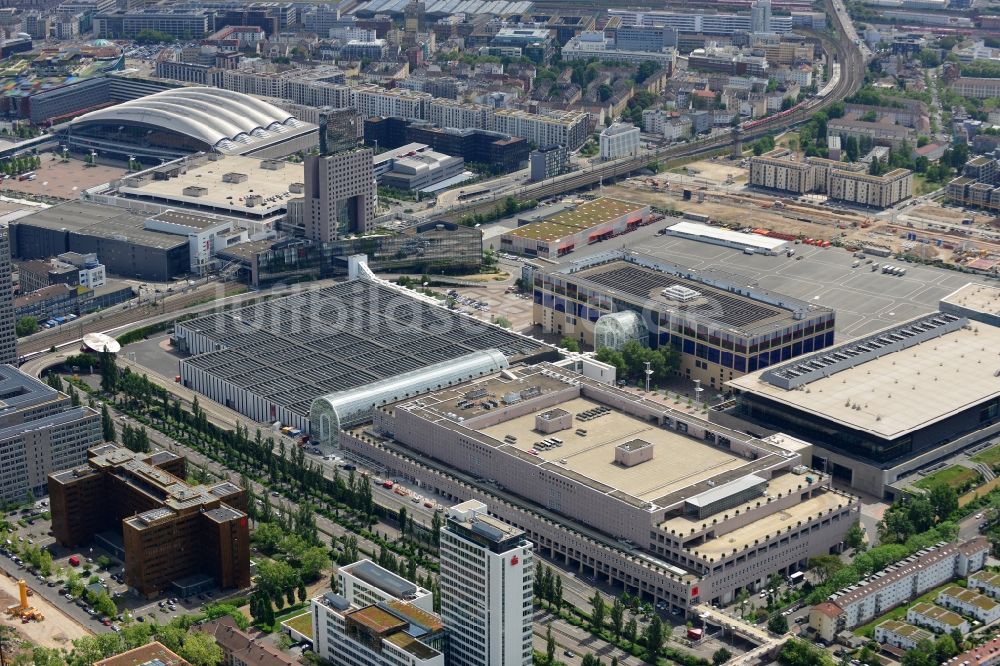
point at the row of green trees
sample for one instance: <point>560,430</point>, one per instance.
<point>199,649</point>
<point>510,206</point>
<point>20,164</point>
<point>630,362</point>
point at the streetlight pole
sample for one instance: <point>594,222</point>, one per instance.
<point>649,373</point>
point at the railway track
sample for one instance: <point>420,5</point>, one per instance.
<point>73,331</point>
<point>851,72</point>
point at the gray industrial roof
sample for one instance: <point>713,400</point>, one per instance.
<point>384,580</point>
<point>99,220</point>
<point>293,349</point>
<point>18,391</point>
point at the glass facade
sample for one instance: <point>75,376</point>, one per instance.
<point>430,248</point>
<point>700,339</point>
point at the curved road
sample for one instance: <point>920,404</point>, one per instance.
<point>852,65</point>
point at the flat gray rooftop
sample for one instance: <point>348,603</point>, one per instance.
<point>290,350</point>
<point>865,301</point>
<point>19,391</point>
<point>93,219</point>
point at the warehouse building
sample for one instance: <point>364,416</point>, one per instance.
<point>617,487</point>
<point>885,404</point>
<point>177,538</point>
<point>120,238</point>
<point>754,243</point>
<point>354,342</point>
<point>581,225</point>
<point>720,327</point>
<point>40,432</point>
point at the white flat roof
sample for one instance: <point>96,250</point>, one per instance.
<point>900,391</point>
<point>974,296</point>
<point>711,233</point>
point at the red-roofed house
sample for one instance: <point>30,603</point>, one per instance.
<point>987,654</point>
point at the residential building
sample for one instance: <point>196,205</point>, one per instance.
<point>901,635</point>
<point>487,568</point>
<point>979,184</point>
<point>548,162</point>
<point>39,273</point>
<point>450,113</point>
<point>987,654</point>
<point>782,170</point>
<point>152,654</point>
<point>896,585</point>
<point>986,582</point>
<point>941,620</point>
<point>339,194</point>
<point>619,140</point>
<point>377,619</point>
<point>883,134</point>
<point>979,88</point>
<point>8,331</point>
<point>564,128</point>
<point>969,602</point>
<point>177,538</point>
<point>371,100</point>
<point>40,432</point>
<point>239,648</point>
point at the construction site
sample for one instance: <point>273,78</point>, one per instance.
<point>921,230</point>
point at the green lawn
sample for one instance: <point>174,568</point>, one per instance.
<point>990,456</point>
<point>301,623</point>
<point>899,613</point>
<point>955,476</point>
<point>921,186</point>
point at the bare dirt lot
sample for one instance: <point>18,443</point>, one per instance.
<point>64,180</point>
<point>717,170</point>
<point>56,630</point>
<point>745,210</point>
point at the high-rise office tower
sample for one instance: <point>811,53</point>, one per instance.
<point>8,332</point>
<point>487,570</point>
<point>339,194</point>
<point>760,16</point>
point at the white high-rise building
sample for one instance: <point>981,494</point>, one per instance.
<point>619,140</point>
<point>487,568</point>
<point>760,16</point>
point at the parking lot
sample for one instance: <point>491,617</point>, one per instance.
<point>93,565</point>
<point>865,300</point>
